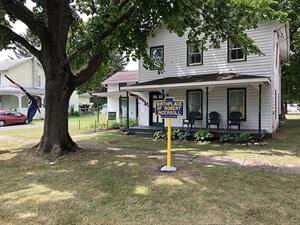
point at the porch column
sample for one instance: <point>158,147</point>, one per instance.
<point>127,116</point>
<point>20,101</point>
<point>206,107</point>
<point>259,109</point>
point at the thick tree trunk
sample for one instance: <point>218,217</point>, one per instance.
<point>56,139</point>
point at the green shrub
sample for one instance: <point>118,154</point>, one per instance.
<point>203,135</point>
<point>238,138</point>
<point>187,135</point>
<point>160,134</point>
<point>76,114</point>
<point>176,134</point>
<point>228,137</point>
<point>245,137</point>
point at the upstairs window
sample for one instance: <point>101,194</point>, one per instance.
<point>235,52</point>
<point>194,55</point>
<point>157,53</point>
<point>122,85</point>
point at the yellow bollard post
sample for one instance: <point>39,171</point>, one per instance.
<point>169,167</point>
<point>169,143</point>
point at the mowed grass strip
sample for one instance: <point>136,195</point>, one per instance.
<point>104,187</point>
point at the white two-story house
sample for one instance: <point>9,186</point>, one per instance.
<point>223,80</point>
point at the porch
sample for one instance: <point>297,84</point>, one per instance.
<point>222,94</point>
<point>150,130</point>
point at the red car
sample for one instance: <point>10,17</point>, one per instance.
<point>11,117</point>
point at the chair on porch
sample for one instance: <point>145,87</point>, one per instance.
<point>234,119</point>
<point>190,121</point>
<point>214,119</point>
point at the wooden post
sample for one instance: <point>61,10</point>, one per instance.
<point>259,109</point>
<point>127,116</point>
<point>206,107</point>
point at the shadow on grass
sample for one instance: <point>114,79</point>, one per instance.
<point>104,187</point>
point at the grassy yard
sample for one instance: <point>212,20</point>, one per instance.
<point>281,150</point>
<point>101,186</point>
<point>77,125</point>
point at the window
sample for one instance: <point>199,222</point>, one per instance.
<point>194,55</point>
<point>194,102</point>
<point>235,52</point>
<point>123,107</point>
<point>122,85</point>
<point>236,98</point>
<point>157,53</point>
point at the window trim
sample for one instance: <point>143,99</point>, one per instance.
<point>187,102</point>
<point>245,99</point>
<point>163,55</point>
<point>187,56</point>
<point>120,108</point>
<point>234,60</point>
<point>120,85</point>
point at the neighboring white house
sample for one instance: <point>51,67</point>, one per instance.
<point>27,72</point>
<point>221,80</point>
<point>117,99</point>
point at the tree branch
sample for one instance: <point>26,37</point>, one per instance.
<point>86,73</point>
<point>17,38</point>
<point>104,34</point>
<point>18,10</point>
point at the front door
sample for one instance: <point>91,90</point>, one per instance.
<point>154,119</point>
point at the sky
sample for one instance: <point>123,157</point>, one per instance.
<point>20,28</point>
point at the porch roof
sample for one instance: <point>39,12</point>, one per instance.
<point>198,80</point>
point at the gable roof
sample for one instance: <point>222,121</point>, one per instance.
<point>10,63</point>
<point>123,77</point>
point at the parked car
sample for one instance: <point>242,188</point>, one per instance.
<point>8,117</point>
<point>293,108</point>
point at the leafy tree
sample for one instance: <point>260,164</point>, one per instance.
<point>20,51</point>
<point>291,69</point>
<point>72,51</point>
<point>115,63</point>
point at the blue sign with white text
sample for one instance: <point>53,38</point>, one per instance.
<point>169,108</point>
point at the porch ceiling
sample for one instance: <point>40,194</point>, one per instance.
<point>216,79</point>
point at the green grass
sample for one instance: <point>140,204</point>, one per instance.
<point>283,149</point>
<point>77,125</point>
<point>120,187</point>
<point>100,187</point>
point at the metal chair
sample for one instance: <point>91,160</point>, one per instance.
<point>234,119</point>
<point>214,119</point>
<point>190,121</point>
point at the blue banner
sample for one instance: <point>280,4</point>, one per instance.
<point>169,108</point>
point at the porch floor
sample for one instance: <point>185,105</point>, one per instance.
<point>150,130</point>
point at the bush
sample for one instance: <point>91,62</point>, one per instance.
<point>75,114</point>
<point>160,134</point>
<point>245,137</point>
<point>238,138</point>
<point>203,135</point>
<point>228,137</point>
<point>176,134</point>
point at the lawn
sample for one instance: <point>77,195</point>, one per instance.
<point>77,126</point>
<point>283,149</point>
<point>102,186</point>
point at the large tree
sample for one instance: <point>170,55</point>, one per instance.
<point>291,69</point>
<point>72,51</point>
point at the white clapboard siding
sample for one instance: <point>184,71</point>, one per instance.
<point>143,118</point>
<point>214,60</point>
<point>218,102</point>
